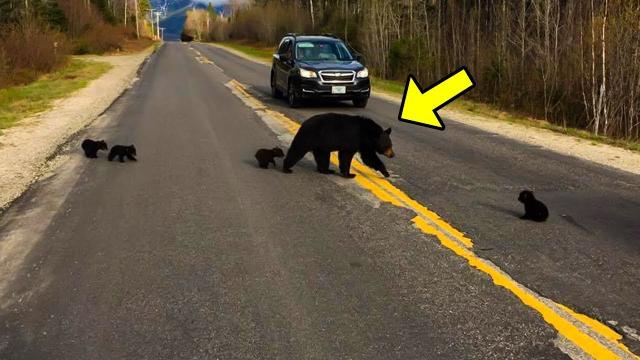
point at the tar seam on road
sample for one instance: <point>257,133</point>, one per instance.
<point>591,336</point>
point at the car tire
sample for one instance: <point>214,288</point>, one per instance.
<point>360,103</point>
<point>275,93</point>
<point>294,101</point>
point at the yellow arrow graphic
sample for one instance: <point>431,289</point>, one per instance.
<point>421,107</point>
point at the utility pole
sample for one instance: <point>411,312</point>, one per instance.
<point>125,12</point>
<point>161,34</point>
<point>158,23</point>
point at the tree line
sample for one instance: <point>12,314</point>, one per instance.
<point>36,36</point>
<point>575,63</point>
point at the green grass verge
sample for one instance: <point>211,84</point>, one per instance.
<point>259,52</point>
<point>19,102</point>
<point>396,88</point>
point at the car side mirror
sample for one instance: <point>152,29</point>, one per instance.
<point>359,58</point>
<point>284,57</point>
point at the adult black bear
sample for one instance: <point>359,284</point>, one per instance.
<point>122,151</point>
<point>91,147</point>
<point>534,209</point>
<point>345,134</point>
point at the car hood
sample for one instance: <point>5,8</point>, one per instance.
<point>331,65</point>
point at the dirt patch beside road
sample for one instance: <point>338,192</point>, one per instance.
<point>25,148</point>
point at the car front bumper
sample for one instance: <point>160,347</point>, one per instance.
<point>314,88</point>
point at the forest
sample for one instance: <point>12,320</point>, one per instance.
<point>36,36</point>
<point>574,63</point>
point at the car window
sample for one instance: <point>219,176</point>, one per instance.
<point>285,47</point>
<point>322,51</point>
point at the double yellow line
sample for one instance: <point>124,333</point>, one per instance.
<point>590,335</point>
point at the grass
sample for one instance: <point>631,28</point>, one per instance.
<point>393,87</point>
<point>257,51</point>
<point>19,102</point>
<point>388,86</point>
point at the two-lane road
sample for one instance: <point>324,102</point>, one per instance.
<point>194,252</point>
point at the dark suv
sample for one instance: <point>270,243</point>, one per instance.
<point>318,67</point>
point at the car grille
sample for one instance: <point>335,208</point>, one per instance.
<point>337,76</point>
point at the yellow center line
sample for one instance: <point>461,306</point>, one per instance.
<point>593,337</point>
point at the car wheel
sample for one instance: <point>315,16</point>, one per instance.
<point>275,93</point>
<point>360,103</point>
<point>294,101</point>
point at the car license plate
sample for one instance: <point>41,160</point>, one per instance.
<point>338,89</point>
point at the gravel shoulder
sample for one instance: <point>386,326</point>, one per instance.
<point>25,148</point>
<point>603,154</point>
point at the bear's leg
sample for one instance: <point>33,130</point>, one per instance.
<point>345,158</point>
<point>111,156</point>
<point>130,157</point>
<point>293,156</point>
<point>372,160</point>
<point>121,157</point>
<point>322,161</point>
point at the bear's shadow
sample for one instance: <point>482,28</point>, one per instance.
<point>303,165</point>
<point>504,210</point>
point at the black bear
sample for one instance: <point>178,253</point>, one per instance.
<point>91,147</point>
<point>534,209</point>
<point>122,151</point>
<point>184,37</point>
<point>266,156</point>
<point>346,134</point>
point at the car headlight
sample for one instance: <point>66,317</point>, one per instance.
<point>308,74</point>
<point>364,73</point>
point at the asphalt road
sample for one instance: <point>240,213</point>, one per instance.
<point>194,252</point>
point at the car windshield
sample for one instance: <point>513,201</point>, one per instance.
<point>322,51</point>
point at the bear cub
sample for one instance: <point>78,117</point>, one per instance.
<point>266,156</point>
<point>91,147</point>
<point>122,151</point>
<point>346,134</point>
<point>534,209</point>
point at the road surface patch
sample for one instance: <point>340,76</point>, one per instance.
<point>595,339</point>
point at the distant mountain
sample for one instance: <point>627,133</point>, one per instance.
<point>176,15</point>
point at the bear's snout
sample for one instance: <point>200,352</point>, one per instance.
<point>389,153</point>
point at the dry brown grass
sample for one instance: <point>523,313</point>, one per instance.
<point>29,49</point>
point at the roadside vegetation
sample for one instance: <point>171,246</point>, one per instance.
<point>18,102</point>
<point>37,36</point>
<point>575,64</point>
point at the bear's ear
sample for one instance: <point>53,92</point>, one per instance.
<point>388,131</point>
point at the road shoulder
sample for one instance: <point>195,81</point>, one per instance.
<point>602,154</point>
<point>26,148</point>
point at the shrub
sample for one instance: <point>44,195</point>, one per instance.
<point>28,49</point>
<point>100,38</point>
